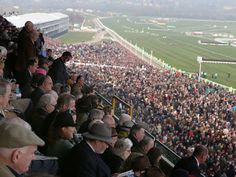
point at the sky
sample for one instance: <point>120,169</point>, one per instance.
<point>203,9</point>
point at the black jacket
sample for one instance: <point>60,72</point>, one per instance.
<point>58,72</point>
<point>189,164</point>
<point>36,95</point>
<point>84,162</point>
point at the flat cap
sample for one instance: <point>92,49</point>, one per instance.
<point>16,136</point>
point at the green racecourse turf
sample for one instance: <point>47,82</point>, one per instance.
<point>177,49</point>
<point>76,37</point>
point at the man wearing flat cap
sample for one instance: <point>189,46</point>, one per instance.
<point>17,148</point>
<point>84,159</point>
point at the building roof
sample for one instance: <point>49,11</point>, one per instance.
<point>36,18</point>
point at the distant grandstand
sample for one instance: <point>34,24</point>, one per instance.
<point>51,24</point>
<point>208,42</point>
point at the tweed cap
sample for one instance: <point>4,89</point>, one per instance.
<point>99,131</point>
<point>16,136</point>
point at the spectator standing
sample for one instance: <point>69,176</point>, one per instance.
<point>58,70</point>
<point>50,57</point>
<point>26,82</point>
<point>39,43</point>
<point>26,48</point>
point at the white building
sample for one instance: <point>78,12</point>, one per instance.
<point>50,24</point>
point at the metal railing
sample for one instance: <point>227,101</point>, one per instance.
<point>121,106</point>
<point>169,157</point>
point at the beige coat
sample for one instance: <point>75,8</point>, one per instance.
<point>4,171</point>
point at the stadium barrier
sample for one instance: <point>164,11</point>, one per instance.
<point>121,106</point>
<point>169,157</point>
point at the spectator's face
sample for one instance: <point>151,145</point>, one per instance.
<point>203,157</point>
<point>22,158</point>
<point>140,134</point>
<point>71,105</point>
<point>34,35</point>
<point>48,84</point>
<point>67,59</point>
<point>114,139</point>
<point>101,146</point>
<point>52,105</point>
<point>6,96</point>
<point>73,77</point>
<point>149,146</point>
<point>49,53</point>
<point>3,57</point>
<point>33,68</point>
<point>81,81</point>
<point>30,27</point>
<point>68,132</point>
<point>109,121</point>
<point>127,153</point>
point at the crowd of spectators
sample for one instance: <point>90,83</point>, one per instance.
<point>180,111</point>
<point>35,93</point>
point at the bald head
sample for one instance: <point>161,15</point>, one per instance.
<point>109,120</point>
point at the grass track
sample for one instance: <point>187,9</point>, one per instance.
<point>76,37</point>
<point>178,49</point>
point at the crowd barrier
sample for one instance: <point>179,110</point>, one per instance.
<point>169,157</point>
